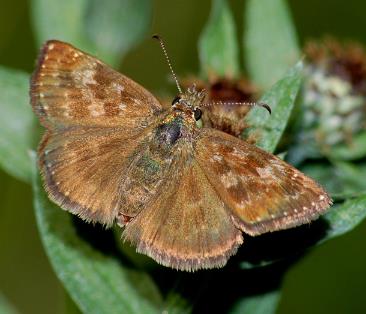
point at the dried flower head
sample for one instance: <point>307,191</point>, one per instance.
<point>223,95</point>
<point>334,93</point>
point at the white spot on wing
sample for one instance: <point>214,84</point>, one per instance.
<point>119,88</point>
<point>216,158</point>
<point>229,179</point>
<point>95,113</point>
<point>122,108</point>
<point>96,110</point>
<point>265,172</point>
<point>237,152</point>
<point>87,77</point>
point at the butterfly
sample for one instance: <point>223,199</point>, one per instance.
<point>112,153</point>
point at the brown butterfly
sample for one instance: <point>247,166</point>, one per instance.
<point>184,195</point>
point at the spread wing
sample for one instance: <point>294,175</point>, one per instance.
<point>72,88</point>
<point>263,192</point>
<point>188,227</point>
<point>83,171</point>
<point>94,118</point>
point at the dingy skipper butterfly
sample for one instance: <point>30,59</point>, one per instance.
<point>183,195</point>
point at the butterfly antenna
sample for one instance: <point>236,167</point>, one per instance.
<point>250,104</point>
<point>158,38</point>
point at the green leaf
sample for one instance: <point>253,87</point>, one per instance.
<point>265,303</point>
<point>306,147</point>
<point>16,123</point>
<point>6,307</point>
<point>270,42</point>
<point>106,28</point>
<point>281,97</point>
<point>98,283</point>
<point>115,26</point>
<point>62,20</point>
<point>340,179</point>
<point>176,304</point>
<point>217,46</point>
<point>356,149</point>
<point>345,217</point>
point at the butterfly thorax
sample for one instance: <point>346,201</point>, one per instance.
<point>178,125</point>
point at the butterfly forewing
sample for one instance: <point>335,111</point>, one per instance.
<point>263,192</point>
<point>72,88</point>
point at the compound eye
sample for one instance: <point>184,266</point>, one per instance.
<point>197,114</point>
<point>175,100</point>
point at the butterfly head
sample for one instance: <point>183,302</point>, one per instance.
<point>190,102</point>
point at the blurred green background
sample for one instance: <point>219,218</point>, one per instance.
<point>330,279</point>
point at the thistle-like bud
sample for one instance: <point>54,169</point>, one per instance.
<point>334,96</point>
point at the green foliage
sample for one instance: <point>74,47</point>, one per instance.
<point>62,20</point>
<point>6,307</point>
<point>218,47</point>
<point>97,282</point>
<point>351,151</point>
<point>113,281</point>
<point>270,42</point>
<point>341,179</point>
<point>281,98</point>
<point>345,217</point>
<point>115,26</point>
<point>16,123</point>
<point>105,28</point>
<point>259,304</point>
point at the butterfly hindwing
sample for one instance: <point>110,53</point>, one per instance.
<point>188,227</point>
<point>83,170</point>
<point>263,192</point>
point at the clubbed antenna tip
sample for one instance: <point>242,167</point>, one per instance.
<point>261,104</point>
<point>251,104</point>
